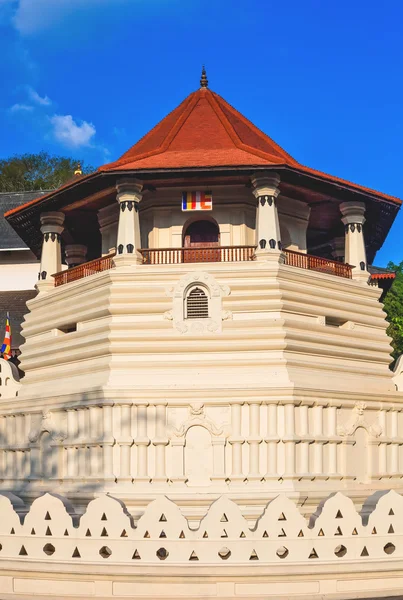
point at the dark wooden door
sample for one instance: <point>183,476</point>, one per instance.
<point>200,240</point>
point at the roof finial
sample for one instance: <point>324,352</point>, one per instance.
<point>203,80</point>
<point>78,170</point>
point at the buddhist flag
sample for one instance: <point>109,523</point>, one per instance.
<point>197,201</point>
<point>6,347</point>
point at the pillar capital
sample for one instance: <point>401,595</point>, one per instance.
<point>129,190</point>
<point>52,222</point>
<point>265,184</point>
<point>353,213</point>
<point>75,254</point>
<point>338,248</point>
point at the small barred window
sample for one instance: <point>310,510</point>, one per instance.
<point>197,304</point>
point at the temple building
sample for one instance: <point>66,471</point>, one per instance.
<point>217,336</point>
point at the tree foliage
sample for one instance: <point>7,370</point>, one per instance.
<point>393,304</point>
<point>33,172</point>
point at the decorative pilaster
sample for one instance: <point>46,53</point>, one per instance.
<point>355,254</point>
<point>142,441</point>
<point>236,441</point>
<point>178,477</point>
<point>72,454</point>
<point>393,447</point>
<point>382,448</point>
<point>128,240</point>
<point>160,442</point>
<point>272,441</point>
<point>125,443</point>
<point>332,445</point>
<point>266,190</point>
<point>304,443</point>
<point>318,443</point>
<point>108,442</point>
<point>289,440</point>
<point>51,257</point>
<point>254,440</point>
<point>75,254</point>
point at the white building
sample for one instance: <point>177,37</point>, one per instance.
<point>230,355</point>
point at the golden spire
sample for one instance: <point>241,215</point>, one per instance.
<point>78,170</point>
<point>203,80</point>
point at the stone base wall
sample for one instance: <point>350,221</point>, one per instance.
<point>52,552</point>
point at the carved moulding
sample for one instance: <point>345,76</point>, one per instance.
<point>215,293</point>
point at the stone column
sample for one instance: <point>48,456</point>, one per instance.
<point>51,257</point>
<point>128,240</point>
<point>75,254</point>
<point>266,190</point>
<point>355,254</point>
<point>236,441</point>
<point>160,442</point>
<point>254,440</point>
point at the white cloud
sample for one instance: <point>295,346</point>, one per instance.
<point>35,97</point>
<point>69,133</point>
<point>21,107</point>
<point>32,16</point>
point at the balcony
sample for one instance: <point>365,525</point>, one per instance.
<point>85,270</point>
<point>316,263</point>
<point>173,256</point>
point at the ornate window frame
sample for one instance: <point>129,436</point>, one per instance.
<point>215,293</point>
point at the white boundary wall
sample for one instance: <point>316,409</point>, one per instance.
<point>51,552</point>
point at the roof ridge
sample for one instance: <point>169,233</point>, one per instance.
<point>256,130</point>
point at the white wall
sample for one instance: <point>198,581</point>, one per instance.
<point>18,270</point>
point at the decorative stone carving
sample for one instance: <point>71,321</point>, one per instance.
<point>47,424</point>
<point>215,293</point>
<point>358,420</point>
<point>197,416</point>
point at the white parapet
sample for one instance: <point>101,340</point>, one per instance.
<point>106,553</point>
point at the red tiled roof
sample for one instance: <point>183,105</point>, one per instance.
<point>206,131</point>
<point>203,131</point>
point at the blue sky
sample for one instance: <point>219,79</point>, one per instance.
<point>88,78</point>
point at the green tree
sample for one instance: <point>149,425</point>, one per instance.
<point>32,172</point>
<point>393,304</point>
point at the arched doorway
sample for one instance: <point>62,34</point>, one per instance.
<point>198,238</point>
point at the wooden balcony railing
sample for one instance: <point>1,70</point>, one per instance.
<point>172,256</point>
<point>315,263</point>
<point>94,266</point>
